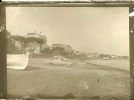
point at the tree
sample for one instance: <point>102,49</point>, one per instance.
<point>10,43</point>
<point>8,33</point>
<point>10,46</point>
<point>18,38</point>
<point>46,51</point>
<point>30,43</point>
<point>58,50</point>
<point>34,39</point>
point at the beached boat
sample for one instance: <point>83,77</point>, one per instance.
<point>59,60</point>
<point>17,61</point>
<point>106,58</point>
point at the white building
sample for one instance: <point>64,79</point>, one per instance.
<point>37,47</point>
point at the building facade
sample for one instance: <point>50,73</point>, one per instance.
<point>34,46</point>
<point>67,48</point>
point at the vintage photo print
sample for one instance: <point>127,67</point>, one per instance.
<point>68,52</point>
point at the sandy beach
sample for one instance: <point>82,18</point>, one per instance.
<point>79,80</point>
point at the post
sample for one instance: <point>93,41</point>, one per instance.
<point>131,48</point>
<point>3,59</point>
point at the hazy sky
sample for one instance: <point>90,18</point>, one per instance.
<point>90,29</point>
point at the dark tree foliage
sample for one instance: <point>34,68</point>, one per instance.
<point>54,50</point>
<point>10,46</point>
<point>7,33</point>
<point>18,38</point>
<point>58,50</point>
<point>24,42</point>
<point>46,51</point>
<point>27,39</point>
<point>34,39</point>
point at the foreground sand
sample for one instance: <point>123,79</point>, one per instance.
<point>41,80</point>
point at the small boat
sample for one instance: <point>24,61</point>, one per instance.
<point>105,58</point>
<point>17,61</point>
<point>59,60</point>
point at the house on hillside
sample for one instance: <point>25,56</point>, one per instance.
<point>67,48</point>
<point>34,46</point>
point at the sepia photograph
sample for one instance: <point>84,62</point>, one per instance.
<point>68,53</point>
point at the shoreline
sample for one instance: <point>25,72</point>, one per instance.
<point>105,67</point>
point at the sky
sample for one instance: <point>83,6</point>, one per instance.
<point>87,29</point>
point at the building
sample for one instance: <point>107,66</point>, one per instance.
<point>67,48</point>
<point>93,55</point>
<point>36,46</point>
<point>38,35</point>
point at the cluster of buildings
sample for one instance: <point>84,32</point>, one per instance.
<point>98,55</point>
<point>36,47</point>
<point>17,45</point>
<point>90,55</point>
